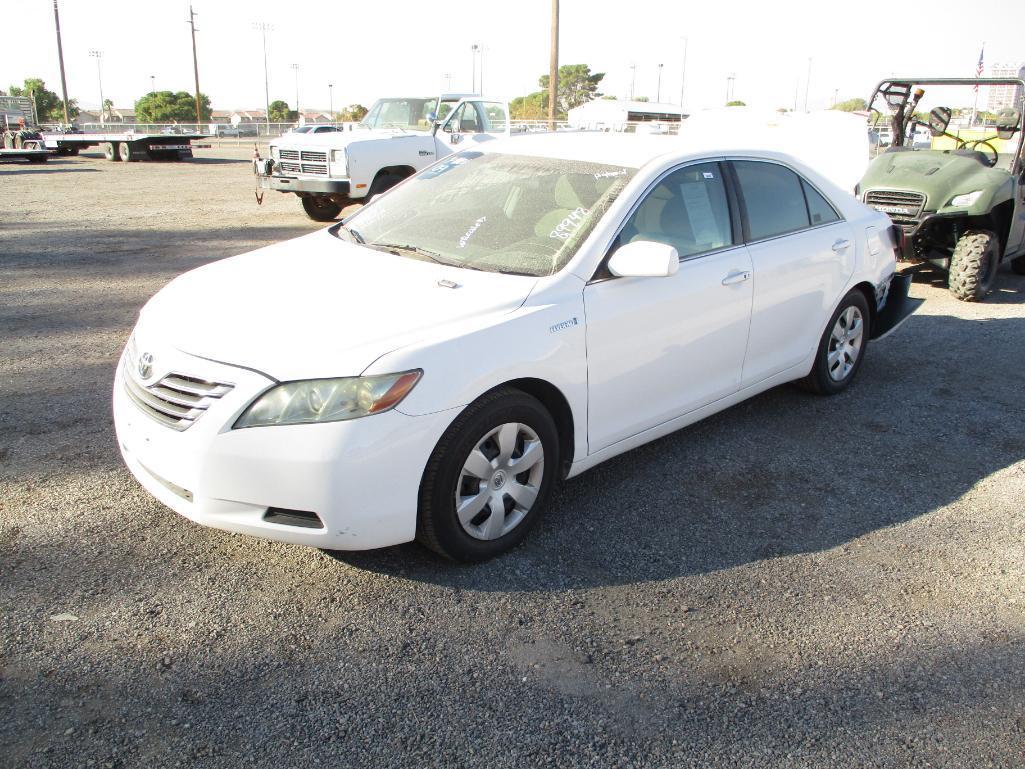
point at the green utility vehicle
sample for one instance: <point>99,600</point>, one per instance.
<point>960,202</point>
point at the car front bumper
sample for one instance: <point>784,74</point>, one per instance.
<point>282,183</point>
<point>361,478</point>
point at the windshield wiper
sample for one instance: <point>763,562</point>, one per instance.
<point>396,247</point>
<point>353,234</point>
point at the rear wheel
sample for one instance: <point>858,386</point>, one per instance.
<point>489,477</point>
<point>110,151</point>
<point>127,152</point>
<point>320,208</point>
<point>973,267</point>
<point>842,347</point>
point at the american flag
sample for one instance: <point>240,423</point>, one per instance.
<point>978,68</point>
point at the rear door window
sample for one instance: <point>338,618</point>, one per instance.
<point>773,198</point>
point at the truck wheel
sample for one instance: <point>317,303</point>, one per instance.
<point>109,151</point>
<point>382,183</point>
<point>127,153</point>
<point>973,267</point>
<point>1018,265</point>
<point>320,208</point>
<point>842,347</point>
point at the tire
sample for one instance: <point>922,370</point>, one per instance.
<point>382,183</point>
<point>973,267</point>
<point>127,152</point>
<point>320,208</point>
<point>109,151</point>
<point>1018,265</point>
<point>502,417</point>
<point>849,328</point>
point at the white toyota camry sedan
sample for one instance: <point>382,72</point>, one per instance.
<point>511,316</point>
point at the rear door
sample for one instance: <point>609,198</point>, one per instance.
<point>802,256</point>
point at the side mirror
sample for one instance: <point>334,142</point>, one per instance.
<point>1008,123</point>
<point>939,119</point>
<point>644,259</point>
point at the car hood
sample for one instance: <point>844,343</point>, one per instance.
<point>318,306</point>
<point>340,139</point>
<point>939,175</point>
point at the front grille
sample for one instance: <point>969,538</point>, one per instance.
<point>292,168</point>
<point>288,154</point>
<point>317,157</point>
<point>315,168</point>
<point>902,207</point>
<point>175,401</point>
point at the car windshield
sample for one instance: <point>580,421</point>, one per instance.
<point>493,211</point>
<point>408,114</point>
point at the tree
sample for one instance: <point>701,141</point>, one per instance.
<point>577,85</point>
<point>641,98</point>
<point>353,113</point>
<point>49,107</point>
<point>851,105</point>
<point>736,103</point>
<point>280,113</point>
<point>169,107</point>
<point>533,106</point>
<point>107,112</point>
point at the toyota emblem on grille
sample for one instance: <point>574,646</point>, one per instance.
<point>145,366</point>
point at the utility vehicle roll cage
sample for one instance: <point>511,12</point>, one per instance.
<point>901,91</point>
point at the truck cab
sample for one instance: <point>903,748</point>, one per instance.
<point>398,137</point>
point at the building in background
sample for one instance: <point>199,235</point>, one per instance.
<point>615,114</point>
<point>1004,96</point>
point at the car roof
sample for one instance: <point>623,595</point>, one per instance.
<point>629,150</point>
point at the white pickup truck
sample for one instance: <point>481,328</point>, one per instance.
<point>397,138</point>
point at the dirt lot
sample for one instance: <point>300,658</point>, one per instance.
<point>798,582</point>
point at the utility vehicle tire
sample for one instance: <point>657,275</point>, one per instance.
<point>1018,265</point>
<point>842,347</point>
<point>109,151</point>
<point>320,209</point>
<point>973,267</point>
<point>489,477</point>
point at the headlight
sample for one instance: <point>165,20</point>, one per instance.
<point>338,156</point>
<point>328,400</point>
<point>965,199</point>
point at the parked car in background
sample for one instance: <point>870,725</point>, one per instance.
<point>397,138</point>
<point>313,129</point>
<point>515,314</point>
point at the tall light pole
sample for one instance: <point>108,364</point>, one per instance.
<point>195,62</point>
<point>60,58</point>
<point>448,81</point>
<point>633,80</point>
<point>683,76</point>
<point>658,94</point>
<point>553,67</point>
<point>152,83</point>
<point>263,27</point>
<point>473,80</point>
<point>296,68</point>
<point>807,85</point>
<point>331,101</point>
<point>729,86</point>
<point>99,78</point>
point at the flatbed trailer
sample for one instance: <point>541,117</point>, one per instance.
<point>29,154</point>
<point>128,147</point>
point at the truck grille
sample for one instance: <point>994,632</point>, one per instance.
<point>319,169</point>
<point>288,154</point>
<point>292,168</point>
<point>902,207</point>
<point>316,157</point>
<point>177,400</point>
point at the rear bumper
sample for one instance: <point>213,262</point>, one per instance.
<point>896,306</point>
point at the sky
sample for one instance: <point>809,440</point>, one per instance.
<point>403,48</point>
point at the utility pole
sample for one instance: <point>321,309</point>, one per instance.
<point>331,101</point>
<point>99,78</point>
<point>296,68</point>
<point>448,81</point>
<point>553,67</point>
<point>473,77</point>
<point>633,80</point>
<point>658,97</point>
<point>263,27</point>
<point>683,76</point>
<point>729,86</point>
<point>60,58</point>
<point>153,83</point>
<point>195,62</point>
<point>807,85</point>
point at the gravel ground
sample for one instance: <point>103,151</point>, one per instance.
<point>797,582</point>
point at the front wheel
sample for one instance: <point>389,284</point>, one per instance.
<point>842,347</point>
<point>320,209</point>
<point>489,477</point>
<point>110,151</point>
<point>973,266</point>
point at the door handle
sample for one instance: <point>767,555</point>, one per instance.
<point>736,277</point>
<point>841,245</point>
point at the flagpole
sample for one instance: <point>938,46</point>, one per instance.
<point>978,74</point>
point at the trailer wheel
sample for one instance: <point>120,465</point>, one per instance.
<point>127,152</point>
<point>109,151</point>
<point>320,208</point>
<point>973,267</point>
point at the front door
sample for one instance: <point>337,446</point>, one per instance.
<point>658,348</point>
<point>471,121</point>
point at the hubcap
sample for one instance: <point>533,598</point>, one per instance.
<point>499,481</point>
<point>845,344</point>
